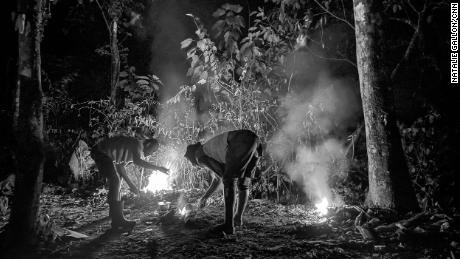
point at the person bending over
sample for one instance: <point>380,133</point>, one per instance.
<point>233,157</point>
<point>111,156</point>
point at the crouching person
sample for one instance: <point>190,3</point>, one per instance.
<point>233,157</point>
<point>111,156</point>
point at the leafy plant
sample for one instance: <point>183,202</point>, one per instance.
<point>428,147</point>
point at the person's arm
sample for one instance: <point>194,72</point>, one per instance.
<point>121,170</point>
<point>144,164</point>
<point>216,181</point>
<point>147,165</point>
<point>215,166</point>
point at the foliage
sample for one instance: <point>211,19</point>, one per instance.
<point>239,70</point>
<point>428,145</point>
<point>239,79</point>
<point>140,100</point>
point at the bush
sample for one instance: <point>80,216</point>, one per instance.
<point>429,147</point>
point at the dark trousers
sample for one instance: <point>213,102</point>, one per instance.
<point>108,169</point>
<point>240,164</point>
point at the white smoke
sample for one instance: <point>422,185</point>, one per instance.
<point>308,144</point>
<point>313,166</point>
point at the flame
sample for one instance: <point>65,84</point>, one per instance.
<point>183,211</point>
<point>321,207</point>
<point>159,181</point>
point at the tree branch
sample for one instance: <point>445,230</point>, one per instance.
<point>104,17</point>
<point>412,41</point>
<point>333,59</point>
<point>405,21</point>
<point>413,7</point>
<point>333,15</point>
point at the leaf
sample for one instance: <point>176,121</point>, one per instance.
<point>142,77</point>
<point>190,71</point>
<point>203,76</point>
<point>246,49</point>
<point>143,82</point>
<point>194,61</point>
<point>191,52</point>
<point>218,26</point>
<point>232,7</point>
<point>156,78</point>
<point>240,20</point>
<point>226,36</point>
<point>185,43</point>
<point>219,12</point>
<point>201,45</point>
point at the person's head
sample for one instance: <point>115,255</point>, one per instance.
<point>190,154</point>
<point>150,146</point>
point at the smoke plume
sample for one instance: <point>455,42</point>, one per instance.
<point>310,142</point>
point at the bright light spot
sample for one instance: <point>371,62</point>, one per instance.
<point>159,181</point>
<point>164,205</point>
<point>321,207</point>
<point>183,211</point>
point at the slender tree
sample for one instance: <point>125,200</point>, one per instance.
<point>28,124</point>
<point>111,11</point>
<point>389,183</point>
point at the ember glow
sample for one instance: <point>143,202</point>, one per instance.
<point>321,207</point>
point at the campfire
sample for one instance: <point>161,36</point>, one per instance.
<point>322,206</point>
<point>159,181</point>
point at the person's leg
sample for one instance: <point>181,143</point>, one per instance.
<point>235,160</point>
<point>114,200</point>
<point>121,221</point>
<point>107,169</point>
<point>243,190</point>
<point>243,194</point>
<point>229,200</point>
<point>241,161</point>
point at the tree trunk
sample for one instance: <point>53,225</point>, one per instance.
<point>29,128</point>
<point>389,183</point>
<point>115,62</point>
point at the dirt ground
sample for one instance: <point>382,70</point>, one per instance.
<point>271,231</point>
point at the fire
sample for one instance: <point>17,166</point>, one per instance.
<point>159,181</point>
<point>321,207</point>
<point>183,211</point>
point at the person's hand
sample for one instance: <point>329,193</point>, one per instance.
<point>163,170</point>
<point>202,202</point>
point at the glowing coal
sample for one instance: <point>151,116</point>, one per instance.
<point>322,206</point>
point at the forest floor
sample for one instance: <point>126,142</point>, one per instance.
<point>271,231</point>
